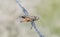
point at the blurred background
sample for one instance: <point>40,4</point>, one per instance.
<point>47,10</point>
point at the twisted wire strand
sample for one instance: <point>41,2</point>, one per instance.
<point>24,10</point>
<point>32,23</point>
<point>39,32</point>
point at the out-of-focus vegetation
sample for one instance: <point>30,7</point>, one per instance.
<point>50,12</point>
<point>47,10</point>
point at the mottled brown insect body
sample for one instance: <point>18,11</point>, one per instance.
<point>29,18</point>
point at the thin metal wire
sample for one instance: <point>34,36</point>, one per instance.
<point>32,23</point>
<point>39,32</point>
<point>24,10</point>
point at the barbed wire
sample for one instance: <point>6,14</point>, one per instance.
<point>32,23</point>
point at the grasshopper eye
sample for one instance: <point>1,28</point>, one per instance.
<point>23,16</point>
